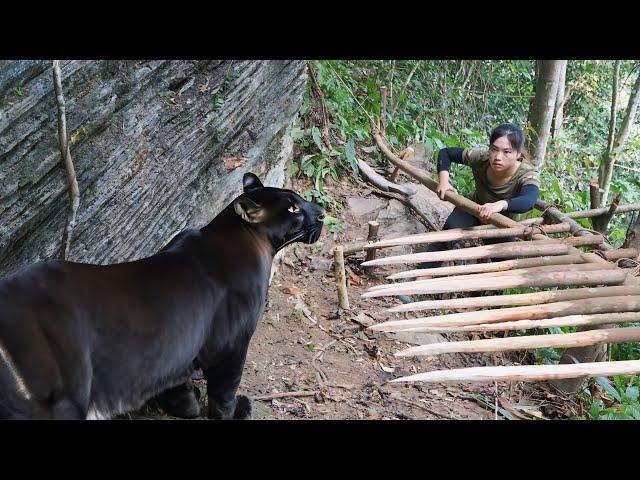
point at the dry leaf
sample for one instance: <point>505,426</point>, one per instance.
<point>291,291</point>
<point>234,162</point>
<point>353,278</point>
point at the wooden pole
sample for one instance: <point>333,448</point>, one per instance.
<point>613,255</point>
<point>549,279</point>
<point>563,340</point>
<point>406,153</point>
<point>462,234</point>
<point>568,321</point>
<point>615,304</point>
<point>601,223</point>
<point>526,373</point>
<point>505,265</point>
<point>506,250</point>
<point>341,278</point>
<point>518,299</point>
<point>372,237</point>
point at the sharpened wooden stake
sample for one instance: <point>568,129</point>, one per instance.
<point>568,321</point>
<point>582,267</point>
<point>615,304</point>
<point>466,234</point>
<point>371,237</point>
<point>437,285</point>
<point>502,266</point>
<point>563,340</point>
<point>537,373</point>
<point>341,278</point>
<point>518,299</point>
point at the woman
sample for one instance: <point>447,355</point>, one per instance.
<point>505,180</point>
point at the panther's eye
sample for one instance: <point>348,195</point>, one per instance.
<point>293,209</point>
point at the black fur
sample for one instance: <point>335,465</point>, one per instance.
<point>108,338</point>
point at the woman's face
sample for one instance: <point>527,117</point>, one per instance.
<point>502,155</point>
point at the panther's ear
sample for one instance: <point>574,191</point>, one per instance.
<point>249,210</point>
<point>251,181</point>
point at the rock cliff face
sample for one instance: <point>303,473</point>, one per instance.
<point>149,144</point>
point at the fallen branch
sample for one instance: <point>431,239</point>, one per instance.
<point>526,373</point>
<point>563,340</point>
<point>74,191</point>
<point>378,181</point>
<point>518,299</point>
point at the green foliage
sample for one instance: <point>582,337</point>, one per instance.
<point>333,224</point>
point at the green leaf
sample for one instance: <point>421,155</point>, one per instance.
<point>606,384</point>
<point>315,134</point>
<point>297,133</point>
<point>632,393</point>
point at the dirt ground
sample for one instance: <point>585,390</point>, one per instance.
<point>308,360</point>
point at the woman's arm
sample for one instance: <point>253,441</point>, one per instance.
<point>445,157</point>
<point>525,201</point>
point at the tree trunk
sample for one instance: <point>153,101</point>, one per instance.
<point>609,158</point>
<point>558,118</point>
<point>542,108</point>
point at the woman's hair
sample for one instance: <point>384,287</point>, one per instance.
<point>514,134</point>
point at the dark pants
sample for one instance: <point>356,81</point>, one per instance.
<point>458,219</point>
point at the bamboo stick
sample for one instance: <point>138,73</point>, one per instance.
<point>562,340</point>
<point>581,267</point>
<point>526,373</point>
<point>614,304</point>
<point>371,237</point>
<point>518,299</point>
<point>568,321</point>
<point>464,234</point>
<point>525,249</point>
<point>549,279</point>
<point>504,265</point>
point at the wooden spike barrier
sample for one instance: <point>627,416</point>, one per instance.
<point>550,279</point>
<point>617,304</point>
<point>533,373</point>
<point>563,340</point>
<point>518,299</point>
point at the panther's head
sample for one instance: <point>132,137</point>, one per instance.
<point>281,215</point>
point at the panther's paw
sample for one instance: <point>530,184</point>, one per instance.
<point>180,401</point>
<point>244,407</point>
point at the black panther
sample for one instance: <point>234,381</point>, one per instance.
<point>93,341</point>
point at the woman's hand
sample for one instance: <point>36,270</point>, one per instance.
<point>488,209</point>
<point>443,187</point>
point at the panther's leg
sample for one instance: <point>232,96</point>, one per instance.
<point>223,378</point>
<point>180,401</point>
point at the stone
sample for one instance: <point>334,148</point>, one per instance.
<point>319,263</point>
<point>364,208</point>
<point>149,141</point>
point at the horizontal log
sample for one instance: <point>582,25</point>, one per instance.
<point>550,279</point>
<point>518,299</point>
<point>500,266</point>
<point>617,254</point>
<point>519,373</point>
<point>562,340</point>
<point>568,321</point>
<point>373,177</point>
<point>582,267</point>
<point>455,234</point>
<point>525,249</point>
<point>615,304</point>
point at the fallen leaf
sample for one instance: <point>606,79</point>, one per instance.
<point>291,291</point>
<point>353,278</point>
<point>234,162</point>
